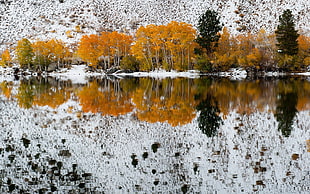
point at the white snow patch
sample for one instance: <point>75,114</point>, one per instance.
<point>162,74</point>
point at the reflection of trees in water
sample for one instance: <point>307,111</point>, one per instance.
<point>168,100</point>
<point>286,111</point>
<point>209,119</point>
<point>42,91</point>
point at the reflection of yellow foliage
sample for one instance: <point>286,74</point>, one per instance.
<point>173,103</point>
<point>92,99</point>
<point>51,98</point>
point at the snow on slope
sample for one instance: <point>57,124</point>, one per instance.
<point>52,19</point>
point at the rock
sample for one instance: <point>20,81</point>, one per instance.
<point>52,67</point>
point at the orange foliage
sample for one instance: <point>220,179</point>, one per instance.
<point>53,97</point>
<point>107,102</point>
<point>175,105</point>
<point>108,44</point>
<point>89,49</point>
<point>168,46</point>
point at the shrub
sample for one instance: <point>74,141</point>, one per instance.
<point>130,63</point>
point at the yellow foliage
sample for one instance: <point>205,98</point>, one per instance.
<point>89,49</point>
<point>254,58</point>
<point>52,98</point>
<point>174,105</point>
<point>6,89</point>
<point>307,61</point>
<point>109,44</point>
<point>168,46</point>
<point>303,45</point>
<point>5,58</point>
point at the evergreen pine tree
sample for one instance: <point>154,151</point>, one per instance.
<point>286,34</point>
<point>208,30</point>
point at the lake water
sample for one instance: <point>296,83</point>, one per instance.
<point>147,135</point>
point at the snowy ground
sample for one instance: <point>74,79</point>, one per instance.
<point>248,154</point>
<point>79,74</point>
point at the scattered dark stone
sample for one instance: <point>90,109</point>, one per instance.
<point>59,165</point>
<point>86,174</point>
<point>177,154</point>
<point>153,171</point>
<point>195,168</point>
<point>65,153</point>
<point>155,147</point>
<point>295,156</point>
<point>12,187</point>
<point>184,188</point>
<point>63,141</point>
<point>9,148</point>
<point>52,162</point>
<point>156,182</point>
<point>263,169</point>
<point>82,185</point>
<point>134,160</point>
<point>74,167</point>
<point>211,171</point>
<point>34,166</point>
<point>42,191</point>
<point>138,187</point>
<point>53,188</point>
<point>37,156</point>
<point>26,142</point>
<point>74,177</point>
<point>260,182</point>
<point>54,169</point>
<point>145,155</point>
<point>11,157</point>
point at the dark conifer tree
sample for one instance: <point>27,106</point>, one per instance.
<point>208,30</point>
<point>286,34</point>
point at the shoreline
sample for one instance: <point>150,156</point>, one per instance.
<point>82,71</point>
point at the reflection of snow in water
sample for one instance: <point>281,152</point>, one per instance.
<point>125,155</point>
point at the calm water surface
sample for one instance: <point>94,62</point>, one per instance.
<point>146,135</point>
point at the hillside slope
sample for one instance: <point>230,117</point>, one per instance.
<point>69,19</point>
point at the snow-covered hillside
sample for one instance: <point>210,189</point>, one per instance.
<point>69,19</point>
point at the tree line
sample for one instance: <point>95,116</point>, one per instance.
<point>208,47</point>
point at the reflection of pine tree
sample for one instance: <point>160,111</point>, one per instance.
<point>209,119</point>
<point>286,111</point>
